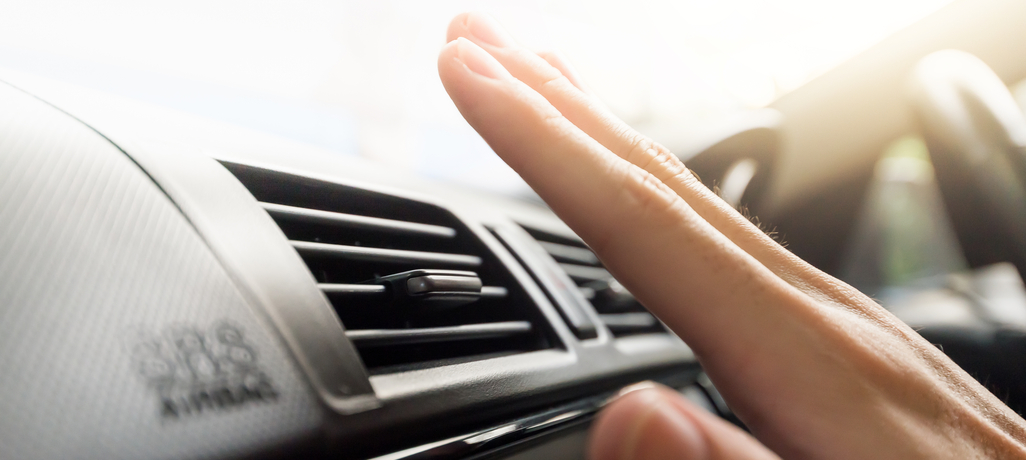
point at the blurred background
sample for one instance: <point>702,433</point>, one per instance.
<point>803,113</point>
<point>359,78</point>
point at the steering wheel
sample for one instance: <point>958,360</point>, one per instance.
<point>976,135</point>
<point>738,160</point>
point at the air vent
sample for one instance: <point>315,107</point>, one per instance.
<point>617,308</point>
<point>412,285</point>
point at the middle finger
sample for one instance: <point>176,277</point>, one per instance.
<point>595,120</point>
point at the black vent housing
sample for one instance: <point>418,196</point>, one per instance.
<point>366,248</point>
<point>622,314</point>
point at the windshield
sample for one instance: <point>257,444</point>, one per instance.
<point>359,78</point>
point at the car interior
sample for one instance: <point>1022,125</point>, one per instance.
<point>177,286</point>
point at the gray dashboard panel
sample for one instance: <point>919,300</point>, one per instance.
<point>267,269</point>
<point>203,262</point>
<point>121,336</point>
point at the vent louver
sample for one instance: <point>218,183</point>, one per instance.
<point>412,285</point>
<point>617,308</point>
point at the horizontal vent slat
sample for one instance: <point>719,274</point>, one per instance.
<point>582,272</point>
<point>566,253</point>
<point>487,292</point>
<point>629,321</point>
<point>355,221</point>
<point>385,255</point>
<point>494,292</point>
<point>363,248</point>
<point>385,337</point>
<point>587,292</point>
<point>352,288</point>
<point>622,314</point>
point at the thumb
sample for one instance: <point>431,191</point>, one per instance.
<point>656,423</point>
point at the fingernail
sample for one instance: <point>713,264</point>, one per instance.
<point>488,30</point>
<point>669,434</point>
<point>647,425</point>
<point>478,60</point>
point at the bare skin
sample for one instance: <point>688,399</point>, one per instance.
<point>815,368</point>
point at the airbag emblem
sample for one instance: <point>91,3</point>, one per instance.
<point>195,371</point>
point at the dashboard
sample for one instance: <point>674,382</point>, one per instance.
<point>177,287</point>
<point>171,287</point>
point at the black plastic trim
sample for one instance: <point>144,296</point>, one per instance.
<point>478,442</point>
<point>352,220</point>
<point>384,255</point>
<point>274,279</point>
<point>385,337</point>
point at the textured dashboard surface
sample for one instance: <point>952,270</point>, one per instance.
<point>120,334</point>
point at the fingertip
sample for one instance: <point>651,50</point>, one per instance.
<point>464,55</point>
<point>448,56</point>
<point>479,61</point>
<point>645,424</point>
<point>447,50</point>
<point>457,27</point>
<point>480,27</point>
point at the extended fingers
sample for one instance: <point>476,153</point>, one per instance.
<point>548,80</point>
<point>686,272</point>
<point>563,164</point>
<point>556,81</point>
<point>557,60</point>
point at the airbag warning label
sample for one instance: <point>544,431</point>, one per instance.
<point>195,371</point>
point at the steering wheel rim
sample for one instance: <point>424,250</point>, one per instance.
<point>976,136</point>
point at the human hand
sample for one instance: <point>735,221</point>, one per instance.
<point>812,366</point>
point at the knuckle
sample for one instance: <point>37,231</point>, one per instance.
<point>687,178</point>
<point>553,81</point>
<point>653,157</point>
<point>644,201</point>
<point>638,147</point>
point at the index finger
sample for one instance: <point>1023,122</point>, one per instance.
<point>685,271</point>
<point>553,78</point>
